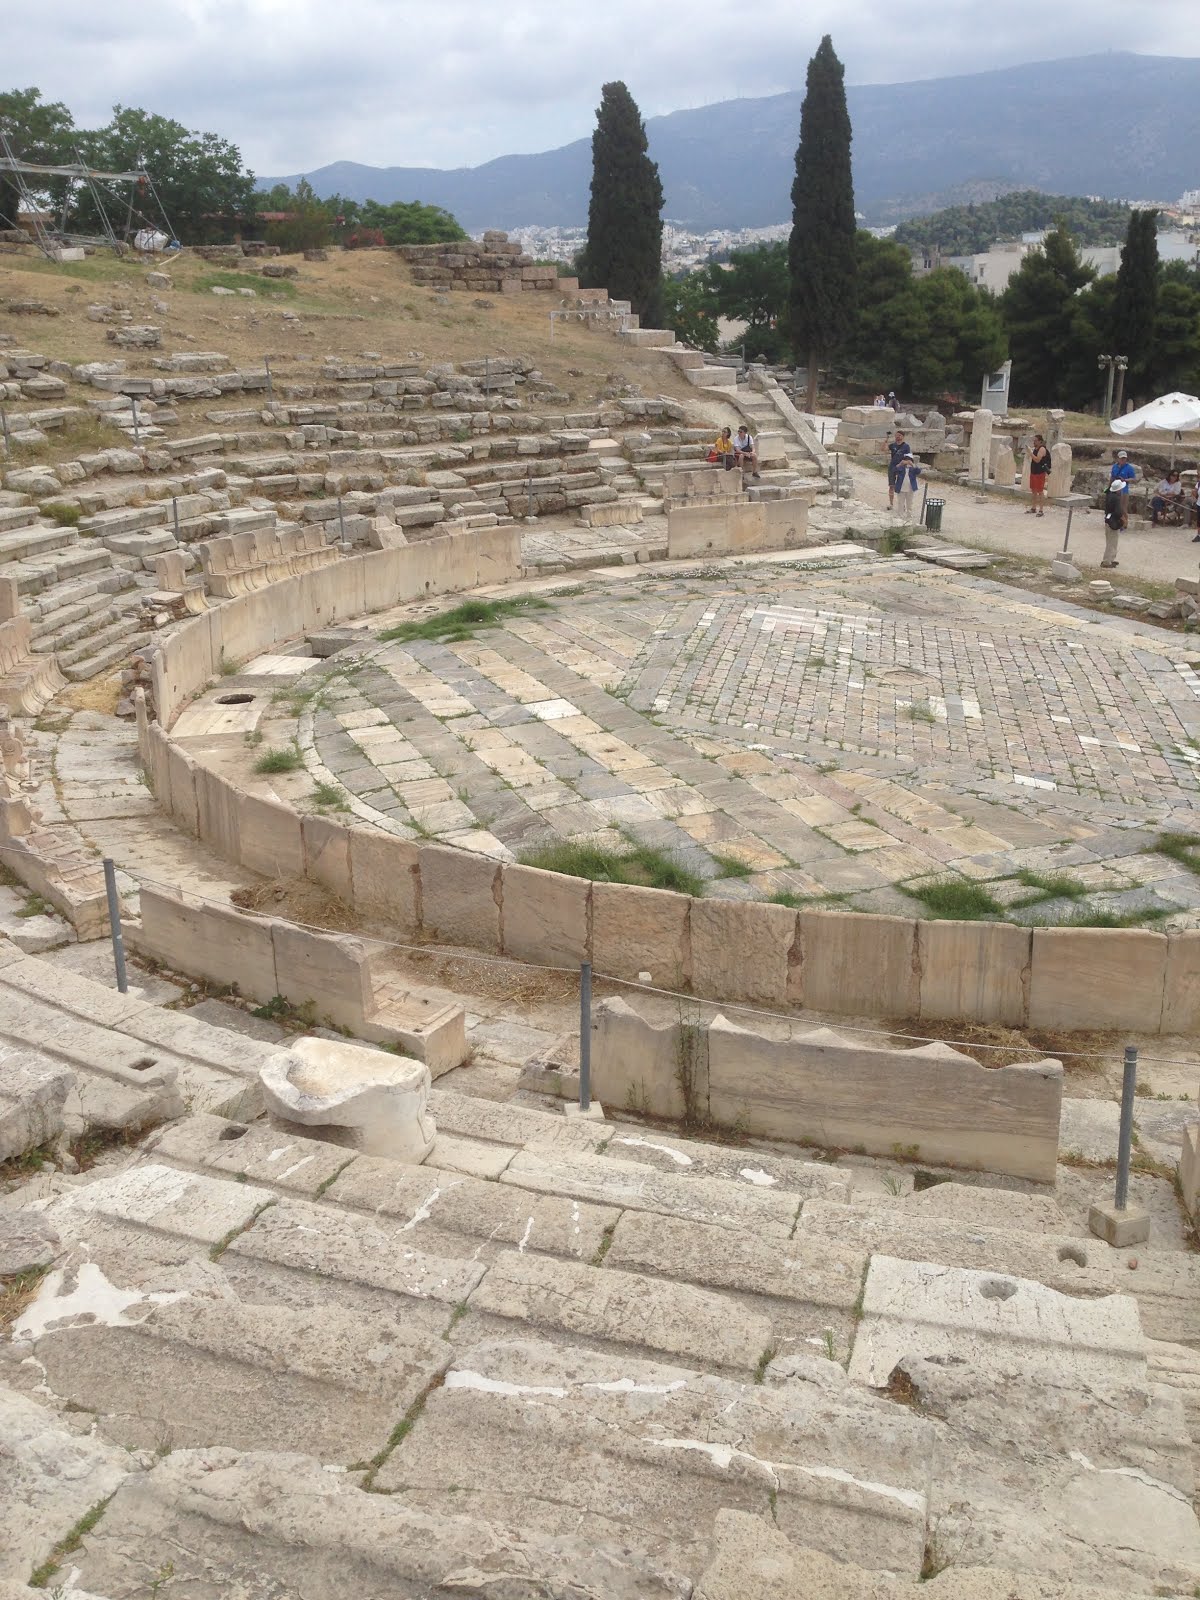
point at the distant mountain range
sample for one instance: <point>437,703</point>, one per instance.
<point>1117,125</point>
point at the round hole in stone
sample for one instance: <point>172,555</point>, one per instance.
<point>234,699</point>
<point>143,1064</point>
<point>1073,1252</point>
<point>234,1131</point>
<point>997,1289</point>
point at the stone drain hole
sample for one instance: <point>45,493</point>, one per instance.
<point>234,699</point>
<point>143,1064</point>
<point>233,1132</point>
<point>997,1289</point>
<point>1073,1252</point>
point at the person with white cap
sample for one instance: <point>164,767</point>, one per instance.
<point>1116,505</point>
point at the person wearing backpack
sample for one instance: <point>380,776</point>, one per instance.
<point>907,471</point>
<point>896,448</point>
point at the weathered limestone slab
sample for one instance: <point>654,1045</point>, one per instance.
<point>816,1284</point>
<point>635,1063</point>
<point>859,965</point>
<point>329,972</point>
<point>384,874</point>
<point>641,930</point>
<point>1181,986</point>
<point>460,897</point>
<point>675,1320</point>
<point>742,950</point>
<point>980,446</point>
<point>317,1533</point>
<point>27,1242</point>
<point>999,1324</point>
<point>976,970</point>
<point>753,1560</point>
<point>186,1205</point>
<point>269,837</point>
<point>362,1099</point>
<point>593,1442</point>
<point>208,941</point>
<point>738,527</point>
<point>327,855</point>
<point>628,1185</point>
<point>546,916</point>
<point>1189,1169</point>
<point>49,1478</point>
<point>258,1154</point>
<point>33,1091</point>
<point>309,1238</point>
<point>1097,978</point>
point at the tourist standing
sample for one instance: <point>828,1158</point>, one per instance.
<point>1122,475</point>
<point>1039,471</point>
<point>896,448</point>
<point>907,471</point>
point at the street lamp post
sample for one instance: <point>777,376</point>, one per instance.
<point>1112,365</point>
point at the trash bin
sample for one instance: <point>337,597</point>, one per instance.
<point>933,515</point>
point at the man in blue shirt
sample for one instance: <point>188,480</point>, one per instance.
<point>1116,505</point>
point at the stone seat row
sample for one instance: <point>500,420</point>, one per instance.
<point>240,563</point>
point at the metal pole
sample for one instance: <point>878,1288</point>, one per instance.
<point>270,381</point>
<point>341,520</point>
<point>585,1035</point>
<point>175,516</point>
<point>1108,389</point>
<point>1128,1089</point>
<point>4,430</point>
<point>1067,535</point>
<point>924,500</point>
<point>137,432</point>
<point>837,472</point>
<point>1120,400</point>
<point>114,923</point>
<point>529,491</point>
<point>487,374</point>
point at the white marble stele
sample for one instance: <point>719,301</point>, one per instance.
<point>364,1099</point>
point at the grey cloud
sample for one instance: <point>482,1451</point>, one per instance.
<point>299,83</point>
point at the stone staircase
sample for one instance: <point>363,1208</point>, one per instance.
<point>77,596</point>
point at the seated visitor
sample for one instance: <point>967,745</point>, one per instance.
<point>721,449</point>
<point>1168,495</point>
<point>745,452</point>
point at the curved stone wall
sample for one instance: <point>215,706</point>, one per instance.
<point>845,963</point>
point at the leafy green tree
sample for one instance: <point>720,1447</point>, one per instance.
<point>1039,309</point>
<point>1136,298</point>
<point>308,223</point>
<point>822,250</point>
<point>39,131</point>
<point>1080,379</point>
<point>690,310</point>
<point>199,178</point>
<point>754,289</point>
<point>1175,363</point>
<point>883,328</point>
<point>624,239</point>
<point>410,222</point>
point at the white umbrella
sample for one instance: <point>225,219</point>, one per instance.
<point>1170,413</point>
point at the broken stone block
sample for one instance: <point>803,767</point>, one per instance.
<point>364,1099</point>
<point>33,1090</point>
<point>35,934</point>
<point>27,1242</point>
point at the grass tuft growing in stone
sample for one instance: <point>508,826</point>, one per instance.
<point>640,864</point>
<point>955,899</point>
<point>1048,886</point>
<point>279,761</point>
<point>462,622</point>
<point>1181,847</point>
<point>731,866</point>
<point>40,1577</point>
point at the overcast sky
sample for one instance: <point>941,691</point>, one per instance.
<point>299,83</point>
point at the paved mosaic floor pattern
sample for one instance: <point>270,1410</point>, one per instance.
<point>843,732</point>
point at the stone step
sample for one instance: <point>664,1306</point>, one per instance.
<point>75,561</point>
<point>74,603</point>
<point>647,338</point>
<point>566,1438</point>
<point>711,377</point>
<point>152,542</point>
<point>86,625</point>
<point>98,651</point>
<point>17,516</point>
<point>28,541</point>
<point>315,1533</point>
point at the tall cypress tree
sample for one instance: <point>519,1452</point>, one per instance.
<point>1135,304</point>
<point>624,242</point>
<point>822,260</point>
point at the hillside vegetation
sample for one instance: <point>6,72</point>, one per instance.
<point>967,230</point>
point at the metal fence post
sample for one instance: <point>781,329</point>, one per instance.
<point>1125,1143</point>
<point>175,516</point>
<point>341,520</point>
<point>114,923</point>
<point>585,1036</point>
<point>137,432</point>
<point>270,383</point>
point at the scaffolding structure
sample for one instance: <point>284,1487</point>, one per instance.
<point>51,235</point>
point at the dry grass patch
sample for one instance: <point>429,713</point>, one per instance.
<point>18,1293</point>
<point>298,900</point>
<point>993,1045</point>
